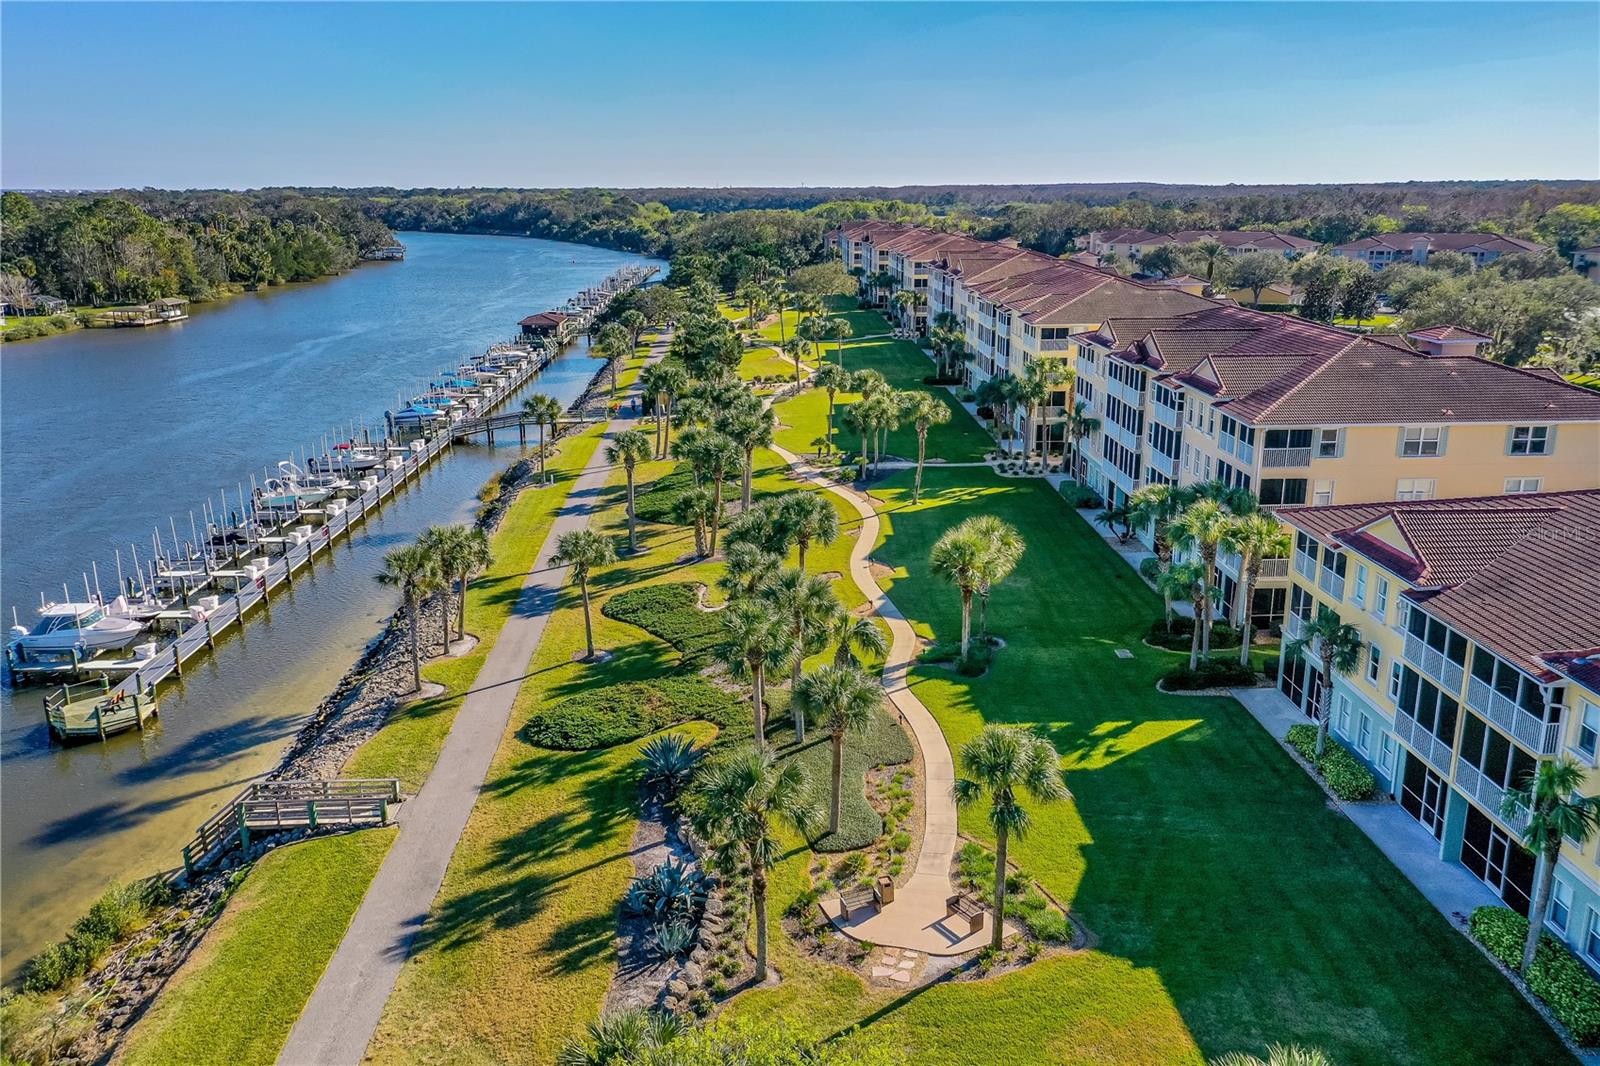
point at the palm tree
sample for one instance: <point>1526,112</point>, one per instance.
<point>883,411</point>
<point>667,383</point>
<point>748,567</point>
<point>750,430</point>
<point>611,342</point>
<point>543,409</point>
<point>925,411</point>
<point>1002,762</point>
<point>857,418</point>
<point>734,803</point>
<point>808,305</point>
<point>1277,1054</point>
<point>621,1037</point>
<point>835,379</point>
<point>794,348</point>
<point>1111,515</point>
<point>1256,538</point>
<point>1212,253</point>
<point>721,455</point>
<point>1338,644</point>
<point>463,553</point>
<point>1080,424</point>
<point>585,551</point>
<point>839,330</point>
<point>810,605</point>
<point>696,508</point>
<point>630,448</point>
<point>958,556</point>
<point>634,322</point>
<point>809,518</point>
<point>1555,812</point>
<point>1003,548</point>
<point>844,700</point>
<point>752,297</point>
<point>1040,378</point>
<point>433,541</point>
<point>413,569</point>
<point>1201,528</point>
<point>855,638</point>
<point>758,640</point>
<point>1185,581</point>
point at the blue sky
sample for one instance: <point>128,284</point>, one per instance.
<point>237,95</point>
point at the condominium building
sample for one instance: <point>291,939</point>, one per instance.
<point>1480,620</point>
<point>903,252</point>
<point>1134,243</point>
<point>1483,248</point>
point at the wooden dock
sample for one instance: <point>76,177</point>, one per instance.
<point>274,806</point>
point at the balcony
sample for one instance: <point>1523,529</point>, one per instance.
<point>1056,344</point>
<point>1293,627</point>
<point>1305,565</point>
<point>1274,569</point>
<point>1163,463</point>
<point>1166,416</point>
<point>1489,795</point>
<point>1285,457</point>
<point>1429,747</point>
<point>1434,663</point>
<point>1333,584</point>
<point>1533,733</point>
<point>1247,454</point>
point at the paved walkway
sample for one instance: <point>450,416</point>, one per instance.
<point>343,1012</point>
<point>916,918</point>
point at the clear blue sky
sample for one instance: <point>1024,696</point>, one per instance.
<point>235,95</point>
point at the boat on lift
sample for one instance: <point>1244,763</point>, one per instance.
<point>419,413</point>
<point>347,457</point>
<point>290,490</point>
<point>86,627</point>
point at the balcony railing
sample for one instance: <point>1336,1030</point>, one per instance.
<point>1167,416</point>
<point>1305,565</point>
<point>1247,453</point>
<point>1435,664</point>
<point>1418,739</point>
<point>1534,733</point>
<point>1293,626</point>
<point>1274,568</point>
<point>1054,344</point>
<point>1490,796</point>
<point>1333,585</point>
<point>1278,457</point>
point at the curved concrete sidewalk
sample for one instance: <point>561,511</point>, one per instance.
<point>916,918</point>
<point>343,1012</point>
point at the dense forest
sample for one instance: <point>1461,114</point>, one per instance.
<point>130,247</point>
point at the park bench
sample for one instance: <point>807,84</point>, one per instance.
<point>854,899</point>
<point>967,909</point>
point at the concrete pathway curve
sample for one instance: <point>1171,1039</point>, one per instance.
<point>343,1012</point>
<point>916,918</point>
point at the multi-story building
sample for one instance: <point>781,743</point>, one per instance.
<point>1483,248</point>
<point>1134,243</point>
<point>1481,624</point>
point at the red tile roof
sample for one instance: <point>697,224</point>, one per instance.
<point>1449,333</point>
<point>544,318</point>
<point>1442,242</point>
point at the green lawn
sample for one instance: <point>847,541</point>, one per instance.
<point>767,363</point>
<point>235,1000</point>
<point>1232,907</point>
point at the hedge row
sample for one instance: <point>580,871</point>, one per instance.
<point>616,714</point>
<point>1556,976</point>
<point>1209,673</point>
<point>1345,774</point>
<point>672,613</point>
<point>1180,632</point>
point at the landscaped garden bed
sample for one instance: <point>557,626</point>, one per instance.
<point>1346,776</point>
<point>1560,982</point>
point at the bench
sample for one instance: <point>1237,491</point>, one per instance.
<point>856,899</point>
<point>967,909</point>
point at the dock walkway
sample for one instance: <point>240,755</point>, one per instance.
<point>347,1004</point>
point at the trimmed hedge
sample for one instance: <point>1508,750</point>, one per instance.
<point>616,714</point>
<point>1556,976</point>
<point>1079,496</point>
<point>1345,774</point>
<point>1209,673</point>
<point>672,613</point>
<point>1223,636</point>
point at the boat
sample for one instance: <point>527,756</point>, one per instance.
<point>347,457</point>
<point>290,490</point>
<point>418,413</point>
<point>87,628</point>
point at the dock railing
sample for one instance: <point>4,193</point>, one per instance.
<point>271,806</point>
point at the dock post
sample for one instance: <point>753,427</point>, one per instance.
<point>177,656</point>
<point>311,813</point>
<point>138,707</point>
<point>188,863</point>
<point>383,812</point>
<point>99,724</point>
<point>522,434</point>
<point>211,640</point>
<point>244,829</point>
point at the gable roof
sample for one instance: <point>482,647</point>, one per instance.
<point>1442,242</point>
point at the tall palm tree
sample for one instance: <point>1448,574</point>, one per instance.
<point>1040,378</point>
<point>1212,253</point>
<point>839,330</point>
<point>1154,507</point>
<point>668,382</point>
<point>696,508</point>
<point>810,605</point>
<point>752,297</point>
<point>882,411</point>
<point>1186,581</point>
<point>808,305</point>
<point>464,552</point>
<point>779,298</point>
<point>414,570</point>
<point>1080,424</point>
<point>794,348</point>
<point>835,379</point>
<point>585,551</point>
<point>1256,538</point>
<point>925,411</point>
<point>544,409</point>
<point>857,418</point>
<point>750,430</point>
<point>630,448</point>
<point>844,699</point>
<point>434,541</point>
<point>1555,811</point>
<point>758,640</point>
<point>721,456</point>
<point>1003,548</point>
<point>855,638</point>
<point>612,344</point>
<point>1338,644</point>
<point>748,567</point>
<point>734,803</point>
<point>1200,528</point>
<point>1001,763</point>
<point>958,556</point>
<point>809,518</point>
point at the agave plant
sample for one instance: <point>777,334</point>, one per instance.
<point>621,1037</point>
<point>668,940</point>
<point>673,891</point>
<point>669,761</point>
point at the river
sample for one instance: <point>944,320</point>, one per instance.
<point>105,433</point>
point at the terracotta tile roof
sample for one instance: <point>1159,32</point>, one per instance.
<point>1519,575</point>
<point>1442,242</point>
<point>1264,240</point>
<point>544,318</point>
<point>1449,333</point>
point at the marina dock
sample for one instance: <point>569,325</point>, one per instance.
<point>188,594</point>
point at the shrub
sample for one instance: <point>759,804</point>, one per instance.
<point>672,892</point>
<point>119,911</point>
<point>1269,667</point>
<point>1556,976</point>
<point>1181,632</point>
<point>669,761</point>
<point>1210,673</point>
<point>1080,496</point>
<point>668,939</point>
<point>935,379</point>
<point>656,501</point>
<point>618,713</point>
<point>979,654</point>
<point>1346,775</point>
<point>672,613</point>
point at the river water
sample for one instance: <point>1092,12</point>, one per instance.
<point>105,433</point>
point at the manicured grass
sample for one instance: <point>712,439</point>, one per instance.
<point>234,1002</point>
<point>408,744</point>
<point>1377,322</point>
<point>767,363</point>
<point>1232,907</point>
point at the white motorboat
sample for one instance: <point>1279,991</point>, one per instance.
<point>347,457</point>
<point>88,628</point>
<point>290,490</point>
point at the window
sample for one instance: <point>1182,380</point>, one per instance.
<point>1413,488</point>
<point>1422,440</point>
<point>1360,595</point>
<point>1589,731</point>
<point>1380,599</point>
<point>1322,493</point>
<point>1394,680</point>
<point>1364,736</point>
<point>1386,754</point>
<point>1374,663</point>
<point>1560,905</point>
<point>1591,940</point>
<point>1530,440</point>
<point>1328,443</point>
<point>1516,485</point>
<point>1344,715</point>
<point>1282,491</point>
